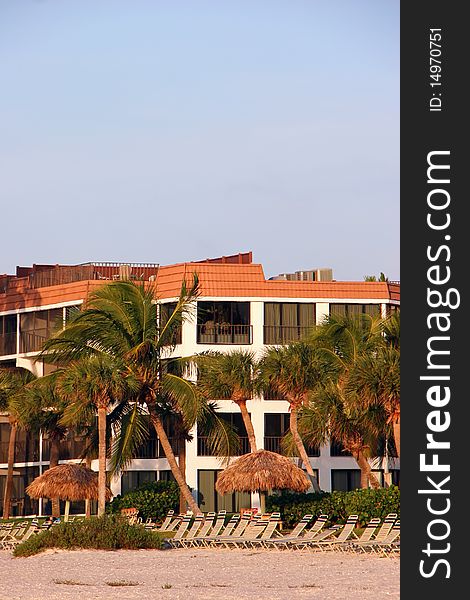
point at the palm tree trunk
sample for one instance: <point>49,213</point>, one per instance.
<point>301,448</point>
<point>396,435</point>
<point>53,462</point>
<point>180,480</point>
<point>9,481</point>
<point>101,460</point>
<point>248,425</point>
<point>366,472</point>
<point>182,466</point>
<point>88,502</point>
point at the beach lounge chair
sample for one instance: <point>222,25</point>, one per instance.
<point>235,532</point>
<point>253,530</point>
<point>299,533</point>
<point>183,526</point>
<point>391,544</point>
<point>179,540</point>
<point>167,520</point>
<point>365,537</point>
<point>329,541</point>
<point>217,533</point>
<point>13,537</point>
<point>384,545</point>
<point>176,521</point>
<point>193,540</point>
<point>270,530</point>
<point>20,537</point>
<point>380,537</point>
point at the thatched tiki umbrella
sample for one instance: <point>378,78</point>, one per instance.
<point>261,471</point>
<point>67,482</point>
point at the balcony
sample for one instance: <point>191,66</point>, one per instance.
<point>69,449</point>
<point>284,334</point>
<point>112,271</point>
<point>224,333</point>
<point>153,449</point>
<point>273,444</point>
<point>24,451</point>
<point>203,448</point>
<point>7,344</point>
<point>30,341</point>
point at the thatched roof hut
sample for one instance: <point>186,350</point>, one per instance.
<point>67,482</point>
<point>261,471</point>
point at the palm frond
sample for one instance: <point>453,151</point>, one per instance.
<point>130,432</point>
<point>221,437</point>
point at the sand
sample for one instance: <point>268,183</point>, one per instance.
<point>191,574</point>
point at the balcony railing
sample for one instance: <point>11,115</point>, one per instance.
<point>69,449</point>
<point>60,275</point>
<point>153,449</point>
<point>204,450</point>
<point>224,333</point>
<point>30,341</point>
<point>283,334</point>
<point>273,444</point>
<point>7,344</point>
<point>24,452</point>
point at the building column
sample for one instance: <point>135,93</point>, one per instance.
<point>322,310</point>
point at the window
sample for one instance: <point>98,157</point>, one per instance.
<point>210,500</point>
<point>386,447</point>
<point>287,321</point>
<point>21,503</point>
<point>26,444</point>
<point>72,447</point>
<point>345,480</point>
<point>353,310</point>
<point>134,479</point>
<point>394,476</point>
<point>71,311</point>
<point>166,310</point>
<point>166,476</point>
<point>36,327</point>
<point>276,425</point>
<point>151,448</point>
<point>236,421</point>
<point>223,323</point>
<point>7,335</point>
<point>337,449</point>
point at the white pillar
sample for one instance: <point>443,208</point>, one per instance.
<point>322,310</point>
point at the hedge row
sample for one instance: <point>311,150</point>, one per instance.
<point>103,533</point>
<point>153,500</point>
<point>367,503</point>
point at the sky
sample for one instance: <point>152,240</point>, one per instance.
<point>173,130</point>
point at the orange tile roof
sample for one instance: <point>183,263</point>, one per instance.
<point>216,280</point>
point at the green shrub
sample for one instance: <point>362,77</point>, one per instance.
<point>109,532</point>
<point>152,499</point>
<point>371,503</point>
<point>367,503</point>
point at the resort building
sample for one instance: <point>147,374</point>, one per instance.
<point>237,308</point>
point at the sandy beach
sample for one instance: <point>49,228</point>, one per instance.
<point>197,574</point>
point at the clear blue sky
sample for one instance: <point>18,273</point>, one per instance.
<point>165,131</point>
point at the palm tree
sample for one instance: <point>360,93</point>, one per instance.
<point>12,381</point>
<point>121,321</point>
<point>346,345</point>
<point>95,383</point>
<point>376,377</point>
<point>40,409</point>
<point>229,377</point>
<point>293,371</point>
<point>332,416</point>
